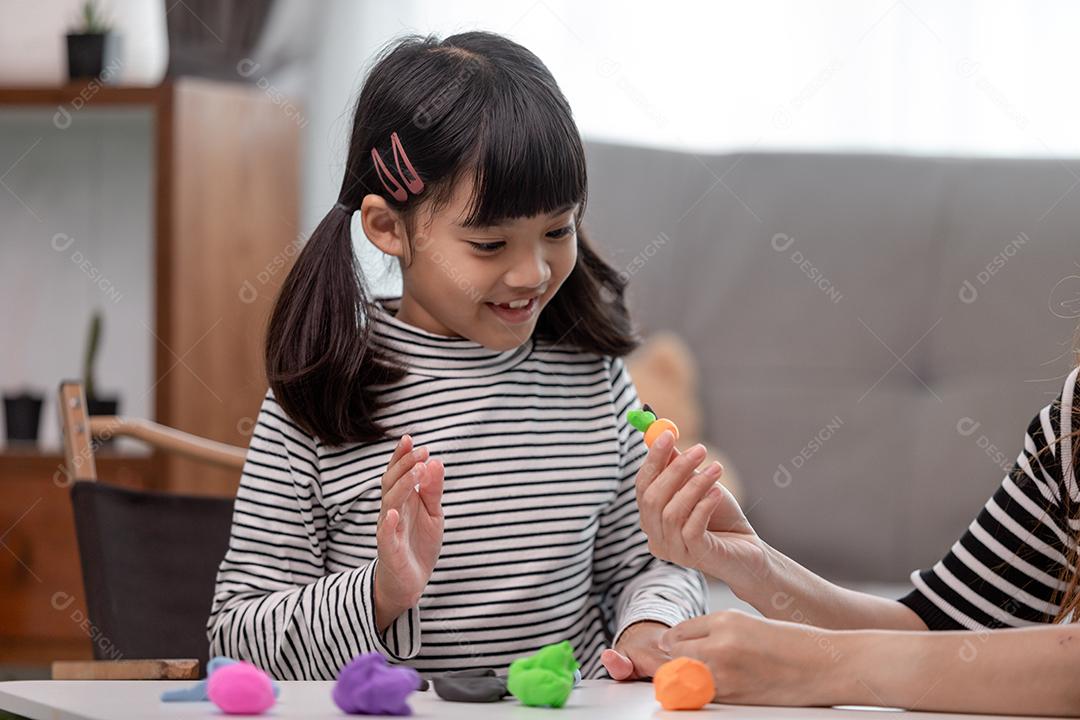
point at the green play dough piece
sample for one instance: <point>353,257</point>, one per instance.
<point>544,679</point>
<point>640,419</point>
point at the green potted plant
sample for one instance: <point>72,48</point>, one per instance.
<point>89,43</point>
<point>95,404</point>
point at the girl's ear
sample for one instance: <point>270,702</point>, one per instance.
<point>384,227</point>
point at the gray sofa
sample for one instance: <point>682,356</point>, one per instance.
<point>874,332</point>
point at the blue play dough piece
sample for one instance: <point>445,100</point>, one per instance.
<point>577,677</point>
<point>197,692</point>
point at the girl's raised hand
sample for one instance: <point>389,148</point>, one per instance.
<point>693,520</point>
<point>409,532</point>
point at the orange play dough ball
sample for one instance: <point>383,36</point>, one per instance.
<point>657,428</point>
<point>684,684</point>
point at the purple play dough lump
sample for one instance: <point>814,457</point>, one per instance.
<point>368,686</point>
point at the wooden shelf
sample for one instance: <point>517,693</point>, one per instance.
<point>224,232</point>
<point>93,94</point>
<point>225,224</point>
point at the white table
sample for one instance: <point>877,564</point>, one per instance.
<point>123,699</point>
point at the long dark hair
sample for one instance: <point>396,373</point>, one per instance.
<point>473,104</point>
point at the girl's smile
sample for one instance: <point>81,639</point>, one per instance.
<point>517,311</point>
<point>488,284</point>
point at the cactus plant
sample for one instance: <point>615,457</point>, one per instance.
<point>93,339</point>
<point>93,21</point>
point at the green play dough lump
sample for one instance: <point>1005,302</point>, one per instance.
<point>640,419</point>
<point>544,679</point>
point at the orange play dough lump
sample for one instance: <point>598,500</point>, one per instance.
<point>683,684</point>
<point>657,428</point>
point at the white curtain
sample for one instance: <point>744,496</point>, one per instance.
<point>953,77</point>
<point>959,77</point>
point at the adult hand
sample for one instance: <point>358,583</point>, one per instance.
<point>758,661</point>
<point>693,520</point>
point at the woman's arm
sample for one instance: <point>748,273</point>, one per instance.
<point>641,595</point>
<point>1030,671</point>
<point>692,520</point>
<point>786,590</point>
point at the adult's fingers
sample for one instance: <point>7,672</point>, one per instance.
<point>676,512</point>
<point>659,493</point>
<point>698,524</point>
<point>692,629</point>
<point>696,648</point>
<point>658,457</point>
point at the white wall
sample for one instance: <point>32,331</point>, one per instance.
<point>76,234</point>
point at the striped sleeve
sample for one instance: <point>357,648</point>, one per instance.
<point>634,584</point>
<point>274,604</point>
<point>1005,571</point>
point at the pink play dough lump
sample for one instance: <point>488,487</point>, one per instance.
<point>240,689</point>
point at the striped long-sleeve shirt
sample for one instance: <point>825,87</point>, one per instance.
<point>541,541</point>
<point>1006,569</point>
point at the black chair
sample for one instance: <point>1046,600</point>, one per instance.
<point>149,559</point>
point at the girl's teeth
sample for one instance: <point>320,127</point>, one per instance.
<point>517,304</point>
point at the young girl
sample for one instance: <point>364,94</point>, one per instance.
<point>1006,595</point>
<point>446,477</point>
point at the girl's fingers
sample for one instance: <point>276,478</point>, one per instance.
<point>386,531</point>
<point>404,445</point>
<point>399,465</point>
<point>431,489</point>
<point>401,450</point>
<point>619,666</point>
<point>399,492</point>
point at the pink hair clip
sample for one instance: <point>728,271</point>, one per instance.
<point>414,185</point>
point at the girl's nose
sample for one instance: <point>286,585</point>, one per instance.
<point>528,273</point>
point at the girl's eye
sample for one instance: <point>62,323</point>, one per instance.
<point>488,247</point>
<point>561,232</point>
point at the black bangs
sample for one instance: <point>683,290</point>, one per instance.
<point>431,114</point>
<point>529,159</point>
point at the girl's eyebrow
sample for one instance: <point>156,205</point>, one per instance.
<point>564,208</point>
<point>551,216</point>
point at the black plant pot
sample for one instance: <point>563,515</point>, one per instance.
<point>103,406</point>
<point>22,417</point>
<point>86,55</point>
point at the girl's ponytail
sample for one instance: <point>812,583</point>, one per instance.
<point>319,363</point>
<point>475,105</point>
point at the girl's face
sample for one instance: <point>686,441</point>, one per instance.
<point>486,284</point>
